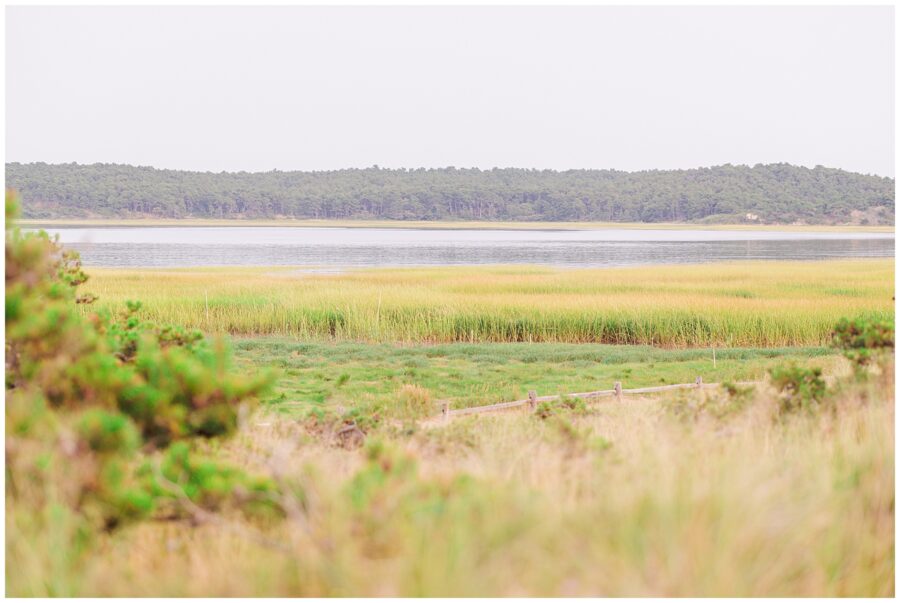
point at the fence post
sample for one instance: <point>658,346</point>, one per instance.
<point>618,388</point>
<point>532,399</point>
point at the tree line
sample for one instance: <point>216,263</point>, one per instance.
<point>772,193</point>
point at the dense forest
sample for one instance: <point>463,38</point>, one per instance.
<point>775,193</point>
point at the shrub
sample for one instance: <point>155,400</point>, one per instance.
<point>576,405</point>
<point>544,410</point>
<point>108,432</point>
<point>865,341</point>
<point>93,400</point>
<point>800,388</point>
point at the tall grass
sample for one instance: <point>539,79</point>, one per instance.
<point>736,304</point>
<point>633,499</point>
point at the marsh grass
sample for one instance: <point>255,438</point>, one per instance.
<point>731,304</point>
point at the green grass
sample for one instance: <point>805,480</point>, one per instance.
<point>319,375</point>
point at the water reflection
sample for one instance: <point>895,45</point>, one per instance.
<point>243,246</point>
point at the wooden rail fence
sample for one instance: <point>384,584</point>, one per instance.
<point>532,400</point>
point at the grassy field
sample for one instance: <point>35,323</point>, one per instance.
<point>671,496</point>
<point>375,376</point>
<point>760,304</point>
<point>442,225</point>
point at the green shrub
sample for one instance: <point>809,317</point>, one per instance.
<point>865,341</point>
<point>576,405</point>
<point>93,399</point>
<point>800,388</point>
<point>207,483</point>
<point>544,410</point>
<point>108,432</point>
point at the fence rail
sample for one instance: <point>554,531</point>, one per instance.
<point>617,391</point>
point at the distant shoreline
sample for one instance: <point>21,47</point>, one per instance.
<point>435,225</point>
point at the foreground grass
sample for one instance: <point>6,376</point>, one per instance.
<point>650,497</point>
<point>442,225</point>
<point>734,305</point>
<point>329,375</point>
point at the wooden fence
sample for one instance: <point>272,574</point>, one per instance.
<point>532,400</point>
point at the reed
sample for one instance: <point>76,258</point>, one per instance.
<point>728,304</point>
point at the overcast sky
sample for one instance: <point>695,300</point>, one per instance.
<point>324,88</point>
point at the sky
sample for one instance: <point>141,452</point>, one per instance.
<point>317,88</point>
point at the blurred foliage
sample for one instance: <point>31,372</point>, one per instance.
<point>800,388</point>
<point>865,342</point>
<point>774,193</point>
<point>389,499</point>
<point>101,409</point>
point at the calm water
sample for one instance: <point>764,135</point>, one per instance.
<point>348,247</point>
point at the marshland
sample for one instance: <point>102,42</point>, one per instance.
<point>450,301</point>
<point>780,486</point>
<point>728,304</point>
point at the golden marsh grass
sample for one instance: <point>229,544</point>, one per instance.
<point>728,304</point>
